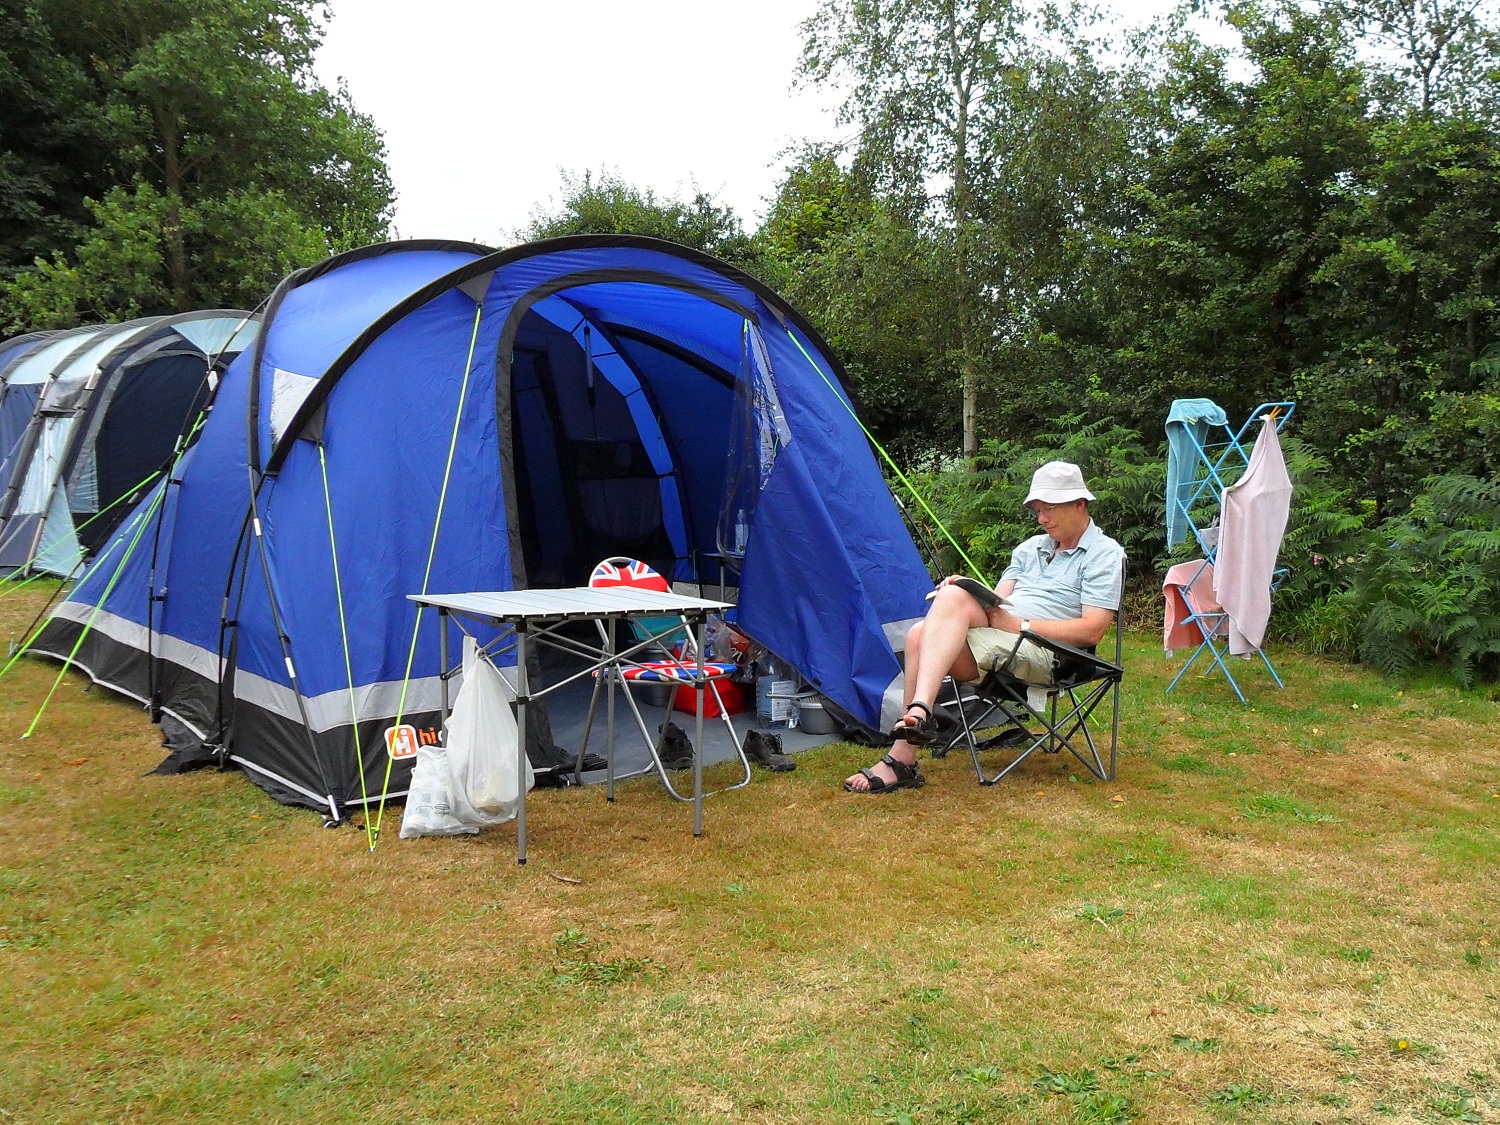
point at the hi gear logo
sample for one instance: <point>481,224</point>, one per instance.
<point>401,742</point>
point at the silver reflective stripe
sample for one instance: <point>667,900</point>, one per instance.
<point>126,692</point>
<point>325,712</point>
<point>249,765</point>
<point>895,633</point>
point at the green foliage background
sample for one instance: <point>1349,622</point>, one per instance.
<point>1035,236</point>
<point>1310,213</point>
<point>160,156</point>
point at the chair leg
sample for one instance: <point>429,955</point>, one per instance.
<point>588,726</point>
<point>971,728</point>
<point>734,738</point>
<point>653,745</point>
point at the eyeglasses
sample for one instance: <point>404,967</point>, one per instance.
<point>1039,509</point>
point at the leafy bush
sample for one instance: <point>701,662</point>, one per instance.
<point>983,510</point>
<point>1423,587</point>
<point>1325,536</point>
<point>1429,587</point>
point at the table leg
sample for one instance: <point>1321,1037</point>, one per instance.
<point>698,684</point>
<point>443,658</point>
<point>523,689</point>
<point>610,672</point>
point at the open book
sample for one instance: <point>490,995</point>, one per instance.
<point>976,590</point>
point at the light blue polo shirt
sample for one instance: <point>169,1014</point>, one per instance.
<point>1055,585</point>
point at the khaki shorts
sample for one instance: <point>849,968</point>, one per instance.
<point>1031,664</point>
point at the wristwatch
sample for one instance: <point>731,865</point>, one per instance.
<point>1025,624</point>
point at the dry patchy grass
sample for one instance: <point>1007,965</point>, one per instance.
<point>1283,913</point>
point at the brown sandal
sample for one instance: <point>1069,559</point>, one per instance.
<point>921,732</point>
<point>907,777</point>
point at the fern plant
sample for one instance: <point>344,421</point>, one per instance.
<point>1429,587</point>
<point>983,509</point>
<point>1326,536</point>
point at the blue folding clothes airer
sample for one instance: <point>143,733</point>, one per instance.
<point>1205,457</point>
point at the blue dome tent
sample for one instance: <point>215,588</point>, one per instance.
<point>436,417</point>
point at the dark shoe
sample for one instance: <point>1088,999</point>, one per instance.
<point>675,748</point>
<point>907,777</point>
<point>765,750</point>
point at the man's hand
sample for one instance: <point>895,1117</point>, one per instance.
<point>998,617</point>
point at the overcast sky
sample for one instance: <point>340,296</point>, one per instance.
<point>485,103</point>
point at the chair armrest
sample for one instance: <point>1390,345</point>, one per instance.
<point>1075,663</point>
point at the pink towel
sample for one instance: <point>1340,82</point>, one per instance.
<point>1255,511</point>
<point>1184,597</point>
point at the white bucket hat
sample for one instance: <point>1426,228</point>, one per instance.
<point>1058,482</point>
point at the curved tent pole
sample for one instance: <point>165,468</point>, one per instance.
<point>457,278</point>
<point>301,277</point>
<point>588,325</point>
<point>273,600</point>
<point>648,394</point>
<point>238,567</point>
<point>154,599</point>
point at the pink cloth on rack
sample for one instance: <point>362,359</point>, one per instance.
<point>1188,588</point>
<point>1254,514</point>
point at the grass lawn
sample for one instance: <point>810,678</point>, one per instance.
<point>1282,912</point>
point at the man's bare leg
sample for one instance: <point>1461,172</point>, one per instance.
<point>936,646</point>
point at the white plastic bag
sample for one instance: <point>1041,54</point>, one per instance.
<point>429,805</point>
<point>482,746</point>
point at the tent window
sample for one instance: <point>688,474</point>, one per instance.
<point>288,392</point>
<point>758,433</point>
<point>45,463</point>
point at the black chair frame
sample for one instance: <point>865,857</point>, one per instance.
<point>1081,681</point>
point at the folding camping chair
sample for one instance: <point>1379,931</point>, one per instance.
<point>660,654</point>
<point>1049,717</point>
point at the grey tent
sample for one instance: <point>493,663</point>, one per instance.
<point>108,406</point>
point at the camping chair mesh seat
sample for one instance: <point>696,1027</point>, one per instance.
<point>1050,717</point>
<point>674,662</point>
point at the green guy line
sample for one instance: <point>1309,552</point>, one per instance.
<point>21,585</point>
<point>894,467</point>
<point>104,597</point>
<point>338,585</point>
<point>437,523</point>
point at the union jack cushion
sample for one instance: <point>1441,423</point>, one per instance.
<point>627,572</point>
<point>672,671</point>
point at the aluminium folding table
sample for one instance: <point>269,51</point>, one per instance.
<point>537,616</point>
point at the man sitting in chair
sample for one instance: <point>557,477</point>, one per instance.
<point>1063,585</point>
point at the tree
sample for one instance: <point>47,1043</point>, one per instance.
<point>608,205</point>
<point>51,154</point>
<point>1441,53</point>
<point>874,283</point>
<point>990,100</point>
<point>228,163</point>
